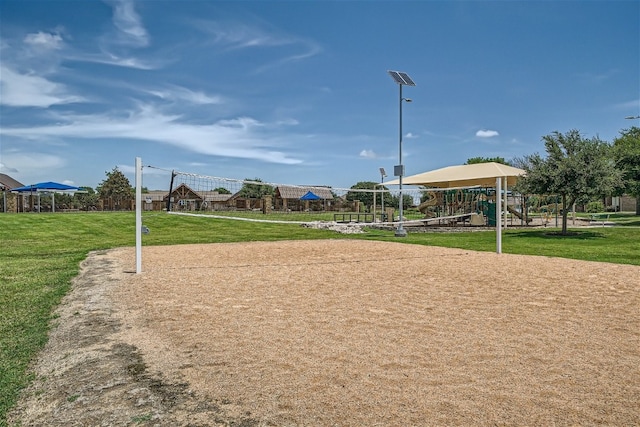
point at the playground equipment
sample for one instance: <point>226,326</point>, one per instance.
<point>427,207</point>
<point>454,206</point>
<point>519,214</point>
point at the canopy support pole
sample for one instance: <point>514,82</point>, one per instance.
<point>506,203</point>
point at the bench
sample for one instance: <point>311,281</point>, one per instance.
<point>601,218</point>
<point>353,217</point>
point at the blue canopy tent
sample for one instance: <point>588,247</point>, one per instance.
<point>46,188</point>
<point>310,195</point>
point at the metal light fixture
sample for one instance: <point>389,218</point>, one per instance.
<point>632,117</point>
<point>402,79</point>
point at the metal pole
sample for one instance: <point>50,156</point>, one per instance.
<point>382,197</point>
<point>400,232</point>
<point>375,197</point>
<point>498,216</point>
<point>138,215</point>
<point>173,175</point>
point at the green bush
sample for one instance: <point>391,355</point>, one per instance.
<point>595,207</point>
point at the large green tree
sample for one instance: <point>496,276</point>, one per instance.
<point>116,187</point>
<point>577,169</point>
<point>252,189</point>
<point>221,190</point>
<point>626,152</point>
<point>365,197</point>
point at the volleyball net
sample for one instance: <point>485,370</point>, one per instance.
<point>197,194</point>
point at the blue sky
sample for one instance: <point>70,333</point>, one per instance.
<point>297,92</point>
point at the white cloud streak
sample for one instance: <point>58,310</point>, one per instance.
<point>109,58</point>
<point>128,22</point>
<point>239,138</point>
<point>178,93</point>
<point>30,162</point>
<point>26,90</point>
<point>242,36</point>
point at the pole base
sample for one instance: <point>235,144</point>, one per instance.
<point>401,232</point>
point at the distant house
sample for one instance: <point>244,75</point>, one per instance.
<point>289,198</point>
<point>184,198</point>
<point>624,203</point>
<point>9,201</point>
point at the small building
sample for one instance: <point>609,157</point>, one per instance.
<point>184,198</point>
<point>9,201</point>
<point>289,198</point>
<point>624,203</point>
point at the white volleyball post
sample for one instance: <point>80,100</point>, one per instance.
<point>498,215</point>
<point>138,215</point>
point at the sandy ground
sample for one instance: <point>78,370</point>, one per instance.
<point>340,333</point>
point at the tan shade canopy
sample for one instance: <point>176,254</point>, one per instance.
<point>479,174</point>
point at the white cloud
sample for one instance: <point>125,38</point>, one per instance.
<point>125,18</point>
<point>6,169</point>
<point>486,133</point>
<point>368,154</point>
<point>177,93</point>
<point>238,36</point>
<point>632,105</point>
<point>109,58</point>
<point>30,164</point>
<point>410,135</point>
<point>240,138</point>
<point>43,40</point>
<point>241,36</point>
<point>25,90</point>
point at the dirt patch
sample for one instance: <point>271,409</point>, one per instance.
<point>346,333</point>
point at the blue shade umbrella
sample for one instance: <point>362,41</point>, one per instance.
<point>309,195</point>
<point>46,187</point>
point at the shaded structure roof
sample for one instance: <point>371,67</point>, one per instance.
<point>310,195</point>
<point>477,174</point>
<point>7,183</point>
<point>48,186</point>
<point>296,192</point>
<point>185,192</point>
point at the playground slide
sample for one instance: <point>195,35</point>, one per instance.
<point>431,201</point>
<point>518,214</point>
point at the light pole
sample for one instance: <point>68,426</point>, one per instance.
<point>383,173</point>
<point>402,79</point>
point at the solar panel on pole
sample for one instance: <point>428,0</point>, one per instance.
<point>407,79</point>
<point>401,78</point>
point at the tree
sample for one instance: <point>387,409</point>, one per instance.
<point>221,190</point>
<point>407,201</point>
<point>251,189</point>
<point>576,169</point>
<point>87,199</point>
<point>365,197</point>
<point>626,152</point>
<point>475,160</point>
<point>388,198</point>
<point>116,188</point>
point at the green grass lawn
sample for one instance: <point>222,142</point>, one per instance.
<point>41,254</point>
